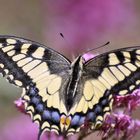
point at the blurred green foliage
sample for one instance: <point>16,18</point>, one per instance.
<point>24,19</point>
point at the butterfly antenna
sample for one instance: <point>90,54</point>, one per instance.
<point>97,47</point>
<point>61,35</point>
<point>69,44</point>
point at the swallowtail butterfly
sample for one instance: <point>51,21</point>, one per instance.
<point>61,95</point>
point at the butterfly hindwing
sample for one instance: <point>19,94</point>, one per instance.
<point>41,72</point>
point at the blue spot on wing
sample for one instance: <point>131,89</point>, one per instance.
<point>98,109</point>
<point>55,116</point>
<point>32,91</point>
<point>39,108</point>
<point>46,115</point>
<point>35,100</point>
<point>82,120</point>
<point>75,120</point>
<point>91,116</point>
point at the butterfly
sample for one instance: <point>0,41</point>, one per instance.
<point>60,95</point>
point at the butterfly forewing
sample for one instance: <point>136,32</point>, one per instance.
<point>118,70</point>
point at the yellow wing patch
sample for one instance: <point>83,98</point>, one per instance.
<point>113,60</point>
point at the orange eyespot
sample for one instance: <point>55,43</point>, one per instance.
<point>62,120</point>
<point>65,120</point>
<point>68,121</point>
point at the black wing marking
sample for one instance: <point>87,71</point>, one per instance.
<point>118,70</point>
<point>15,53</point>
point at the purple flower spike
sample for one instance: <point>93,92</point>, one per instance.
<point>133,128</point>
<point>88,56</point>
<point>20,105</point>
<point>131,101</point>
<point>122,121</point>
<point>120,124</point>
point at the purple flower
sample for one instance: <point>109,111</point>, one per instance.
<point>130,101</point>
<point>20,105</point>
<point>88,56</point>
<point>120,123</point>
<point>133,128</point>
<point>120,126</point>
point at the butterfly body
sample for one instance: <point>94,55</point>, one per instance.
<point>61,95</point>
<point>75,77</point>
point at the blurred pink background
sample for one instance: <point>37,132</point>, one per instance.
<point>84,24</point>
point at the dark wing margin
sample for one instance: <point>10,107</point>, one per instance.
<point>112,73</point>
